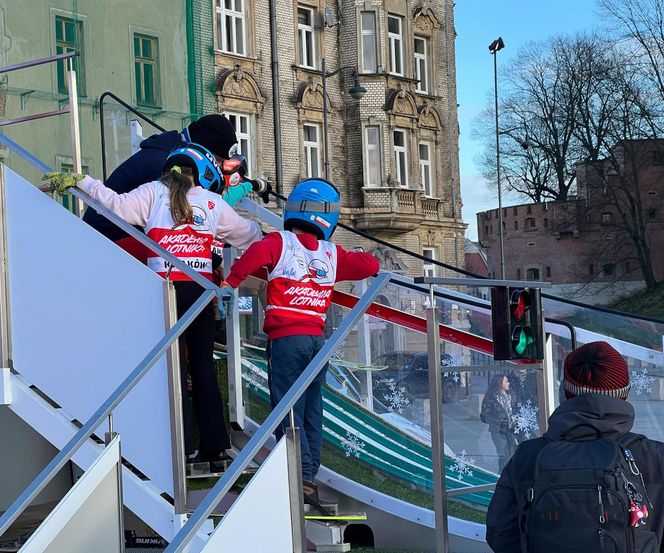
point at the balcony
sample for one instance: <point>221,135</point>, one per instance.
<point>395,210</point>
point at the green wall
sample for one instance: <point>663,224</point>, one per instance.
<point>27,31</point>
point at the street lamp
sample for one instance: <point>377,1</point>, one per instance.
<point>494,48</point>
<point>357,91</point>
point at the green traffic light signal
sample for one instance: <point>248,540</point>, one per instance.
<point>522,337</point>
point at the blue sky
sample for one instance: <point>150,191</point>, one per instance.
<point>518,22</point>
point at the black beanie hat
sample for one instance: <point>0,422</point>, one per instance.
<point>214,132</point>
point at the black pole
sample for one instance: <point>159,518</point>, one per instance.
<point>276,97</point>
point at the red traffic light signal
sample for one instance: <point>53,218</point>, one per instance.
<point>517,324</point>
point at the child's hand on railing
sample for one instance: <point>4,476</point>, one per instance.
<point>225,298</point>
<point>60,182</point>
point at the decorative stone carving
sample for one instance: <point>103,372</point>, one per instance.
<point>237,83</point>
<point>401,102</point>
<point>389,260</point>
<point>429,117</point>
<point>425,20</point>
<point>310,96</point>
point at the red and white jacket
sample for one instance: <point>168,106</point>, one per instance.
<point>148,206</point>
<point>301,272</point>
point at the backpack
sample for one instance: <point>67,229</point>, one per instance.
<point>587,497</point>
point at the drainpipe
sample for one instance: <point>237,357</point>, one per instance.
<point>191,59</point>
<point>449,128</point>
<point>276,98</point>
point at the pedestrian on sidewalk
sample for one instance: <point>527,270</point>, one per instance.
<point>498,412</point>
<point>301,266</point>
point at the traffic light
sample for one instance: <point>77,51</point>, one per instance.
<point>516,316</point>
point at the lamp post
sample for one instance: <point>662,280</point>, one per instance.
<point>357,91</point>
<point>494,48</point>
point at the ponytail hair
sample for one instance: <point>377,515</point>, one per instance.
<point>179,181</point>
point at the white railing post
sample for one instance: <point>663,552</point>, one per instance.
<point>75,130</point>
<point>5,340</point>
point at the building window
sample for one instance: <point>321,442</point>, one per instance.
<point>369,42</point>
<point>422,64</point>
<point>518,274</point>
<point>312,150</point>
<point>532,274</point>
<point>244,130</point>
<point>426,173</point>
<point>395,36</point>
<point>231,26</point>
<point>548,272</point>
<point>652,213</point>
<point>658,158</point>
<point>530,223</point>
<point>486,229</point>
<point>401,156</point>
<point>429,268</point>
<point>627,268</point>
<point>306,37</point>
<point>373,155</point>
<point>516,225</point>
<point>546,223</point>
<point>529,209</point>
<point>146,69</point>
<point>592,269</point>
<point>606,218</point>
<point>607,269</point>
<point>515,210</point>
<point>69,38</point>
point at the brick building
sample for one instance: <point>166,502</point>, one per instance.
<point>582,245</point>
<point>393,153</point>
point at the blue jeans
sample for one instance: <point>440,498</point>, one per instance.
<point>288,357</point>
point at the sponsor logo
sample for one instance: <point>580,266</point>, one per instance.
<point>317,269</point>
<point>194,153</point>
<point>211,205</point>
<point>322,222</point>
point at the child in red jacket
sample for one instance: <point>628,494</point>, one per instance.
<point>301,267</point>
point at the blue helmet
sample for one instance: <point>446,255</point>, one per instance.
<point>207,172</point>
<point>313,206</point>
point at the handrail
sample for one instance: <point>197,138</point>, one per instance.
<point>101,123</point>
<point>278,413</point>
<point>68,451</point>
<point>40,61</point>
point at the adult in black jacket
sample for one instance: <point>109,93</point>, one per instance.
<point>214,132</point>
<point>596,383</point>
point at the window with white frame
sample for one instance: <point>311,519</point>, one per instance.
<point>244,130</point>
<point>231,26</point>
<point>426,170</point>
<point>395,37</point>
<point>306,37</point>
<point>312,149</point>
<point>369,42</point>
<point>372,155</point>
<point>400,137</point>
<point>428,267</point>
<point>422,64</point>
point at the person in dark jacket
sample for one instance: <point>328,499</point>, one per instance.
<point>498,413</point>
<point>596,382</point>
<point>214,132</point>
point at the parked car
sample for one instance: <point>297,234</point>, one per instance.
<point>409,371</point>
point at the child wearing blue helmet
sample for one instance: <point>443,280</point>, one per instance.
<point>184,213</point>
<point>301,266</point>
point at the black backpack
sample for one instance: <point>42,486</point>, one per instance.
<point>581,497</point>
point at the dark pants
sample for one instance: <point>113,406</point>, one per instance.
<point>505,443</point>
<point>198,361</point>
<point>287,359</point>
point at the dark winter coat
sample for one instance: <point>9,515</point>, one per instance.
<point>495,415</point>
<point>612,418</point>
<point>144,166</point>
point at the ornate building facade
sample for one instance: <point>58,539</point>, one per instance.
<point>392,153</point>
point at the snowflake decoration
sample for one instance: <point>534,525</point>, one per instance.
<point>462,464</point>
<point>455,376</point>
<point>352,445</point>
<point>525,420</point>
<point>396,399</point>
<point>641,382</point>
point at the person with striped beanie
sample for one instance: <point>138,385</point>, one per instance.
<point>596,387</point>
